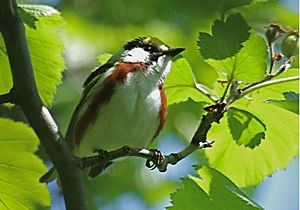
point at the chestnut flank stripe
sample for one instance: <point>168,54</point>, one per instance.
<point>102,96</point>
<point>163,111</point>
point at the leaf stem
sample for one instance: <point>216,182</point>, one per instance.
<point>267,83</point>
<point>229,80</point>
<point>268,77</point>
<point>271,52</point>
<point>226,89</point>
<point>202,90</point>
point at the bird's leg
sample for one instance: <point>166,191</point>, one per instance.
<point>156,159</point>
<point>97,169</point>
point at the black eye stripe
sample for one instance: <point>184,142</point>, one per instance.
<point>150,48</point>
<point>139,42</point>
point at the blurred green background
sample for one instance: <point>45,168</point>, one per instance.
<point>94,27</point>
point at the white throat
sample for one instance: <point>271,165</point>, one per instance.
<point>136,54</point>
<point>157,70</point>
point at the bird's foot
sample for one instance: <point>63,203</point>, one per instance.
<point>155,160</point>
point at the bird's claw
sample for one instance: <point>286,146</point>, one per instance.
<point>155,160</point>
<point>206,144</point>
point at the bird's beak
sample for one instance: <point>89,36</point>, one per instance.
<point>174,51</point>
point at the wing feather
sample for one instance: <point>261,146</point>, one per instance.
<point>87,85</point>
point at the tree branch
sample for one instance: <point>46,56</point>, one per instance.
<point>5,98</point>
<point>160,161</point>
<point>25,94</point>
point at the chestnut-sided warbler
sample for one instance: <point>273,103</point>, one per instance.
<point>124,101</point>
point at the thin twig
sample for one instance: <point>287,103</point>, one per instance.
<point>202,90</point>
<point>230,79</point>
<point>226,89</point>
<point>105,157</point>
<point>268,83</point>
<point>268,77</point>
<point>271,52</point>
<point>174,158</point>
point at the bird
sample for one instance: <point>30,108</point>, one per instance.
<point>123,101</point>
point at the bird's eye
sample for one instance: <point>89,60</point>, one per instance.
<point>150,48</point>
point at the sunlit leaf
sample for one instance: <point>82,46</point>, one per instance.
<point>248,167</point>
<point>5,76</point>
<point>248,65</point>
<point>20,169</point>
<point>290,103</point>
<point>45,49</point>
<point>245,128</point>
<point>226,39</point>
<point>31,13</point>
<point>225,5</point>
<point>103,58</point>
<point>262,1</point>
<point>27,18</point>
<point>190,196</point>
<point>180,83</point>
<point>212,190</point>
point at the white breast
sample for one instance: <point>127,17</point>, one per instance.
<point>131,117</point>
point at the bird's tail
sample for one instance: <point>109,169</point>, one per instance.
<point>49,176</point>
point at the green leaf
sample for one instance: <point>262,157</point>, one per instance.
<point>31,13</point>
<point>190,196</point>
<point>103,58</point>
<point>226,39</point>
<point>248,65</point>
<point>180,83</point>
<point>248,167</point>
<point>28,18</point>
<point>5,75</point>
<point>262,1</point>
<point>225,5</point>
<point>290,103</point>
<point>45,49</point>
<point>211,191</point>
<point>20,169</point>
<point>245,128</point>
<point>37,11</point>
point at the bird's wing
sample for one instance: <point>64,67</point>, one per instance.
<point>103,68</point>
<point>88,85</point>
<point>97,73</point>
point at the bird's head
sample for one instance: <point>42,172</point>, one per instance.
<point>147,49</point>
<point>152,51</point>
